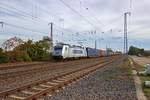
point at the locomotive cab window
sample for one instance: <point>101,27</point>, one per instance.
<point>58,48</point>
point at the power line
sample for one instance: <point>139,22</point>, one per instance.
<point>46,11</point>
<point>91,12</point>
<point>67,5</point>
<point>30,16</point>
<point>16,9</point>
<point>21,27</point>
<point>22,13</point>
<point>23,17</point>
<point>97,19</point>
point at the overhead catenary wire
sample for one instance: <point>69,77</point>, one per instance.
<point>25,14</point>
<point>97,19</point>
<point>24,28</point>
<point>28,15</point>
<point>22,13</point>
<point>3,4</point>
<point>20,16</point>
<point>101,22</point>
<point>75,11</point>
<point>46,12</point>
<point>91,13</point>
<point>58,27</point>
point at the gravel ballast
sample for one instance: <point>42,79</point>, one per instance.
<point>111,82</point>
<point>12,78</point>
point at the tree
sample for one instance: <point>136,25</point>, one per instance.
<point>1,50</point>
<point>3,56</point>
<point>135,51</point>
<point>11,43</point>
<point>28,51</point>
<point>45,43</point>
<point>36,50</point>
<point>43,48</point>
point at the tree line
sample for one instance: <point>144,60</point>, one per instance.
<point>28,51</point>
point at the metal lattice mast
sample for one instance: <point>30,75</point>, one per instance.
<point>126,33</point>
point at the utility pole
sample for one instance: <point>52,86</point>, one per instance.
<point>51,36</point>
<point>95,44</point>
<point>109,42</point>
<point>125,33</point>
<point>2,23</point>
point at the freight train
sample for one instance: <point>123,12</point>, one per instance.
<point>66,51</point>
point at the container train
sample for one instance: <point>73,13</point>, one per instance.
<point>66,51</point>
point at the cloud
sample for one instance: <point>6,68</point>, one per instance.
<point>104,14</point>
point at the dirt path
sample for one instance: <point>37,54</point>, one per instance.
<point>141,60</point>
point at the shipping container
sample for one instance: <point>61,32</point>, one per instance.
<point>93,52</point>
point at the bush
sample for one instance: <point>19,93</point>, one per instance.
<point>1,50</point>
<point>17,55</point>
<point>135,51</point>
<point>26,57</point>
<point>46,57</point>
<point>36,51</point>
<point>3,58</point>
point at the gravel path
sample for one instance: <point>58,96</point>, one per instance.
<point>108,83</point>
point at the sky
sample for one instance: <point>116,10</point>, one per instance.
<point>78,22</point>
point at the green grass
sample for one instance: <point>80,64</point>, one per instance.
<point>145,89</point>
<point>127,63</point>
<point>147,92</point>
<point>143,79</point>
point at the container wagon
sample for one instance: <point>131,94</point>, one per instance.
<point>92,52</point>
<point>102,53</point>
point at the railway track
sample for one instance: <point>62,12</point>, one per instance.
<point>49,86</point>
<point>11,81</point>
<point>36,64</point>
<point>34,67</point>
<point>44,68</point>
